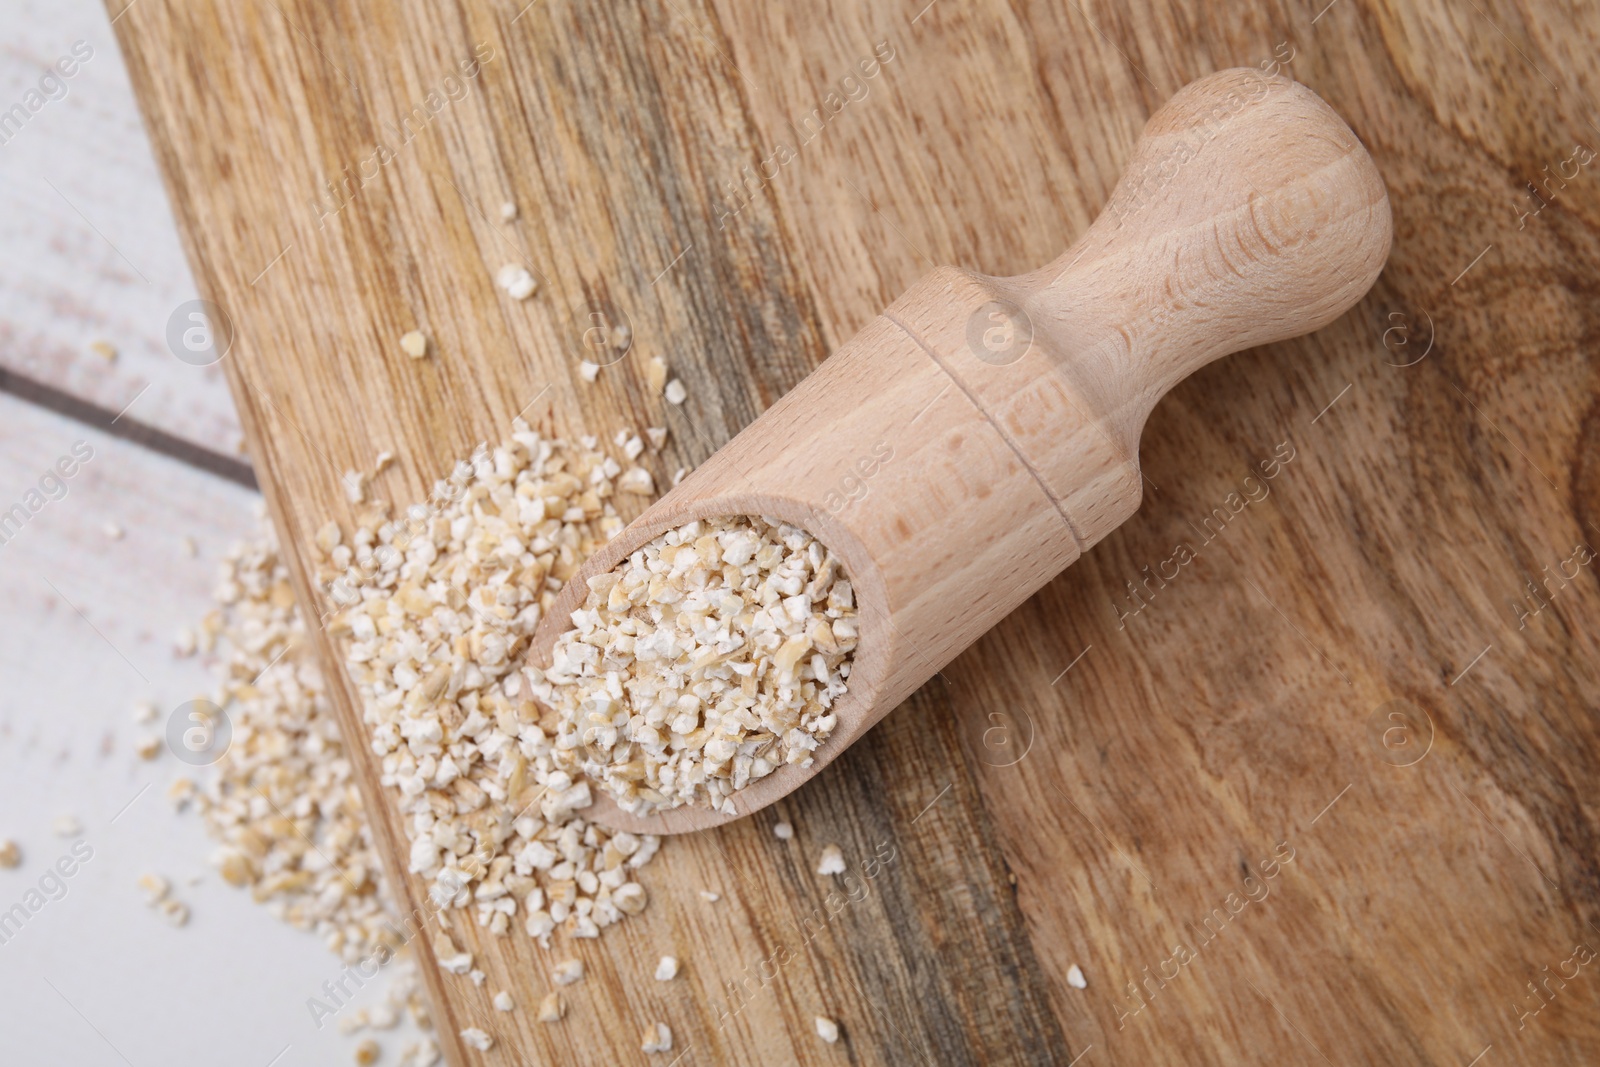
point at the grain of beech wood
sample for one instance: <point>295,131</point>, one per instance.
<point>1010,409</point>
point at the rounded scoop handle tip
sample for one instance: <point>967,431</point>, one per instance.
<point>1248,213</point>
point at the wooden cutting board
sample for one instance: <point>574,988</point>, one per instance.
<point>1295,766</point>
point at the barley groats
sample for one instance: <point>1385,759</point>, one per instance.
<point>708,659</point>
<point>439,607</point>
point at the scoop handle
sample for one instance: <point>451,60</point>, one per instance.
<point>1249,213</point>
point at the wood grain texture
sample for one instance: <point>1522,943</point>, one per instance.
<point>607,204</point>
<point>1144,733</point>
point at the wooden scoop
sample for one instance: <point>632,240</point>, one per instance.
<point>980,434</point>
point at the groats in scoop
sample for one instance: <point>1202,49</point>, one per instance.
<point>706,660</point>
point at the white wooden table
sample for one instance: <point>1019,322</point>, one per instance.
<point>88,253</point>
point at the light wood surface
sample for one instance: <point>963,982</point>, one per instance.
<point>92,255</point>
<point>1357,530</point>
<point>994,422</point>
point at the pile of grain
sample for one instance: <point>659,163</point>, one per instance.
<point>281,801</point>
<point>705,661</point>
<point>437,608</point>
